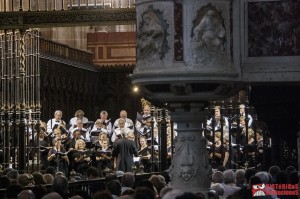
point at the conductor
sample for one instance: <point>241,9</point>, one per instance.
<point>123,151</point>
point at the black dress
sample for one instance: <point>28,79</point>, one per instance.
<point>105,161</point>
<point>59,163</point>
<point>44,153</point>
<point>82,165</point>
<point>145,162</point>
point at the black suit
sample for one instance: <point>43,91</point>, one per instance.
<point>123,150</point>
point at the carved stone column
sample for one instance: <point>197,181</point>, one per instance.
<point>190,170</point>
<point>184,58</point>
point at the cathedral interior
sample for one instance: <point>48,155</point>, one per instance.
<point>90,55</point>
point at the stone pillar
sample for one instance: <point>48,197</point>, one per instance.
<point>190,170</point>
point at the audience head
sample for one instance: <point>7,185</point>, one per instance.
<point>164,191</point>
<point>6,171</point>
<point>130,192</point>
<point>50,170</point>
<point>229,176</point>
<point>157,182</point>
<point>254,180</point>
<point>188,195</point>
<point>144,192</point>
<point>25,180</point>
<point>81,194</point>
<point>114,187</point>
<point>38,178</point>
<point>289,169</point>
<point>52,195</point>
<point>48,178</point>
<point>26,194</point>
<point>263,176</point>
<point>13,174</point>
<point>110,176</point>
<point>212,194</point>
<point>77,197</point>
<point>128,179</point>
<point>92,173</point>
<point>218,188</point>
<point>218,177</point>
<point>104,194</point>
<point>59,173</point>
<point>60,185</point>
<point>173,194</point>
<point>240,176</point>
<point>222,168</point>
<point>127,197</point>
<point>146,183</point>
<point>274,170</point>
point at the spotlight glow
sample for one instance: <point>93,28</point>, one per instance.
<point>135,89</point>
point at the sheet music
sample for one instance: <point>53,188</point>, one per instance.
<point>136,159</point>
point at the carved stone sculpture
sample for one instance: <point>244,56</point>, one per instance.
<point>151,42</point>
<point>190,169</point>
<point>208,38</point>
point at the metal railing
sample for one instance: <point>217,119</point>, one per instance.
<point>56,5</point>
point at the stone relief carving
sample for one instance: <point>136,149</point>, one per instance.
<point>152,44</point>
<point>190,162</point>
<point>208,36</point>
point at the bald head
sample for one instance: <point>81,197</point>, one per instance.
<point>26,194</point>
<point>52,195</point>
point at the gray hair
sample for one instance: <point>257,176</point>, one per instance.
<point>218,177</point>
<point>218,188</point>
<point>264,176</point>
<point>229,176</point>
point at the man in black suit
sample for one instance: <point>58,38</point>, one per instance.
<point>123,151</point>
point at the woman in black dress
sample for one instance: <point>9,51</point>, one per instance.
<point>57,157</point>
<point>145,154</point>
<point>104,158</point>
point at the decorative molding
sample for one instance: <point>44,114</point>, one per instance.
<point>39,19</point>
